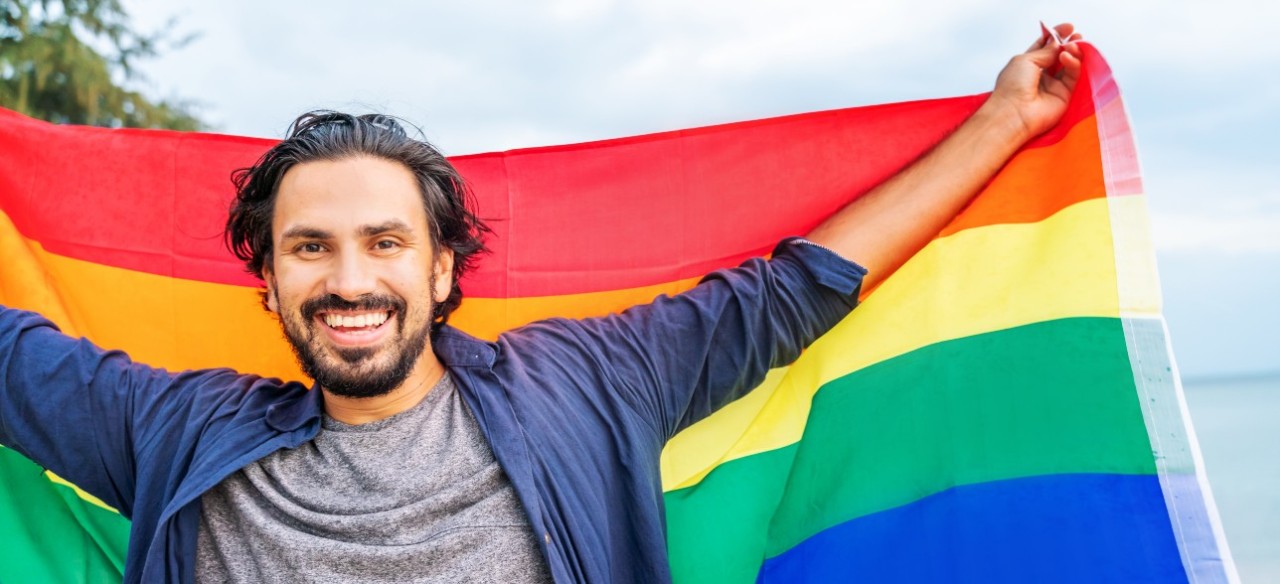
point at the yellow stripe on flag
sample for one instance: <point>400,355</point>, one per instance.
<point>86,497</point>
<point>1015,274</point>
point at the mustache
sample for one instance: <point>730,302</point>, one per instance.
<point>333,302</point>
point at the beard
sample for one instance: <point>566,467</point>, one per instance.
<point>359,372</point>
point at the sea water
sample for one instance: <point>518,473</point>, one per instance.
<point>1237,421</point>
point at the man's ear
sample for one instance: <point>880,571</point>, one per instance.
<point>269,297</point>
<point>443,271</point>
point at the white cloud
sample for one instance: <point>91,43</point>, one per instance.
<point>579,10</point>
<point>1217,206</point>
<point>1231,234</point>
<point>1189,36</point>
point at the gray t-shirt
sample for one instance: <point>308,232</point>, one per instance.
<point>417,497</point>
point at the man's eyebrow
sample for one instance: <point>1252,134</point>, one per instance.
<point>304,232</point>
<point>392,225</point>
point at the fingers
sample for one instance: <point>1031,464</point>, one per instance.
<point>1046,36</point>
<point>1073,48</point>
<point>1070,69</point>
<point>1044,53</point>
<point>1045,56</point>
<point>1064,82</point>
<point>1065,32</point>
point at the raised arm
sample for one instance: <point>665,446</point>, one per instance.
<point>892,222</point>
<point>66,404</point>
<point>98,419</point>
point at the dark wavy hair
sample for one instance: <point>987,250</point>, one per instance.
<point>329,135</point>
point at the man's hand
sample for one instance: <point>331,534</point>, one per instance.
<point>883,228</point>
<point>1036,85</point>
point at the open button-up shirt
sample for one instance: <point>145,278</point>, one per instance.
<point>576,411</point>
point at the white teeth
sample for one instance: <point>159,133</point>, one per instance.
<point>358,321</point>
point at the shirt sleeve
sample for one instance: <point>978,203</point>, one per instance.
<point>67,405</point>
<point>680,358</point>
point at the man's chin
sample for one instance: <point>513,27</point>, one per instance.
<point>358,371</point>
<point>353,357</point>
<point>354,389</point>
<point>348,376</point>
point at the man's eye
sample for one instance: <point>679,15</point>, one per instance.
<point>310,248</point>
<point>386,244</point>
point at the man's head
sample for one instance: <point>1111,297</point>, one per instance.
<point>361,234</point>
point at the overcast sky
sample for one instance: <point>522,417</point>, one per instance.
<point>1199,78</point>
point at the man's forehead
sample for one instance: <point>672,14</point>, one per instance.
<point>356,195</point>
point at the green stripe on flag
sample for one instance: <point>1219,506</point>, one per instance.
<point>50,534</point>
<point>1044,398</point>
<point>710,541</point>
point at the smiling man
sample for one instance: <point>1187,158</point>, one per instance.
<point>425,455</point>
<point>356,276</point>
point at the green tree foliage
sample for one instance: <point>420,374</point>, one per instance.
<point>71,62</point>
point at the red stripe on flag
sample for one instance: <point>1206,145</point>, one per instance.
<point>565,217</point>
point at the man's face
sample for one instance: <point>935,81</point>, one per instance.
<point>354,277</point>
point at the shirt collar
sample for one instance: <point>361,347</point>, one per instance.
<point>458,349</point>
<point>293,413</point>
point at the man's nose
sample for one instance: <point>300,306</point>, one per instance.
<point>353,276</point>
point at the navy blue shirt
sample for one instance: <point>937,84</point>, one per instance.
<point>576,411</point>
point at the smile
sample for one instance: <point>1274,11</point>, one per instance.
<point>355,321</point>
<point>356,329</point>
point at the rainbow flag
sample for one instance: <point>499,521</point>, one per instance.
<point>1003,408</point>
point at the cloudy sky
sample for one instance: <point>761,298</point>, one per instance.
<point>1199,78</point>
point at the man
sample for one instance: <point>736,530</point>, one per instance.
<point>424,454</point>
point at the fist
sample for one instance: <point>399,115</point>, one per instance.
<point>1036,85</point>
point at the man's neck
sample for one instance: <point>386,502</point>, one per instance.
<point>351,410</point>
